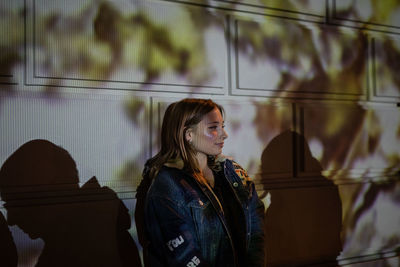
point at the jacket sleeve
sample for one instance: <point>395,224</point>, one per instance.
<point>256,252</point>
<point>171,233</point>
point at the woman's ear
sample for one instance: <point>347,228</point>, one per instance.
<point>188,134</point>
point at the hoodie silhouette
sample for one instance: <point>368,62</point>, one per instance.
<point>304,219</point>
<point>80,226</point>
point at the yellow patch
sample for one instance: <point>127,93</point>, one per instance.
<point>241,173</point>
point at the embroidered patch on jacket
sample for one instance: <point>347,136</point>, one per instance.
<point>174,243</point>
<point>241,173</point>
<point>193,262</point>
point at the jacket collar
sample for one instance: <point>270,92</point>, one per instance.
<point>175,163</point>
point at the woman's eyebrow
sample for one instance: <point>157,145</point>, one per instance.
<point>215,122</point>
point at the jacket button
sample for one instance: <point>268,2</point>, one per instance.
<point>235,184</point>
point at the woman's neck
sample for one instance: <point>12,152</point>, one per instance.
<point>202,161</point>
<point>205,170</point>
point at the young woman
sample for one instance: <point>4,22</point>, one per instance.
<point>201,209</point>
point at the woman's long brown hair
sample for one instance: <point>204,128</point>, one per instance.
<point>178,118</point>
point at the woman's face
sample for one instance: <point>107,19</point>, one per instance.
<point>208,136</point>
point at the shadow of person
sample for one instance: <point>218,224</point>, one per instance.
<point>9,256</point>
<point>141,194</point>
<point>304,218</point>
<point>80,226</point>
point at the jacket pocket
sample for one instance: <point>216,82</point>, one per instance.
<point>208,227</point>
<point>199,210</point>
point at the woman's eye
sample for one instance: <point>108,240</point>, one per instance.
<point>212,127</point>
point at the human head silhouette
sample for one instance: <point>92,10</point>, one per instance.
<point>32,171</point>
<point>304,219</point>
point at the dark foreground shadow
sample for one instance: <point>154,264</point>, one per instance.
<point>9,256</point>
<point>80,226</point>
<point>304,220</point>
<point>142,190</point>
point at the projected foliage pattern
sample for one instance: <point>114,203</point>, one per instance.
<point>157,46</point>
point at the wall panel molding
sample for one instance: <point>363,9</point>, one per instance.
<point>388,257</point>
<point>314,10</point>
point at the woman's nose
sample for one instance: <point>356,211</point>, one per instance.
<point>224,134</point>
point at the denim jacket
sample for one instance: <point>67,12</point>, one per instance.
<point>185,223</point>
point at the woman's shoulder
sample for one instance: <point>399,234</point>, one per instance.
<point>236,167</point>
<point>167,175</point>
<point>167,181</point>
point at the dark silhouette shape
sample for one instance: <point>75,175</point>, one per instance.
<point>304,220</point>
<point>80,226</point>
<point>141,193</point>
<point>9,256</point>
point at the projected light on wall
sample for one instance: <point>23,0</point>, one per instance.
<point>309,104</point>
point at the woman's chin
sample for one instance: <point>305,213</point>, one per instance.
<point>217,153</point>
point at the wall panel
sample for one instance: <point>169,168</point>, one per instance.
<point>369,211</point>
<point>350,140</point>
<point>79,123</point>
<point>126,45</point>
<point>283,58</point>
<point>386,86</point>
<point>12,39</point>
<point>303,225</point>
<point>335,135</point>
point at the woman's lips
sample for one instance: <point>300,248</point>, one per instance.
<point>221,145</point>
